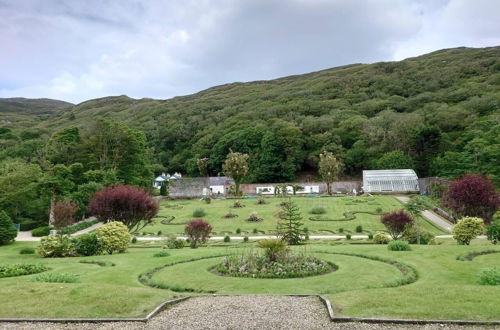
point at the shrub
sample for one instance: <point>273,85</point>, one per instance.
<point>207,200</point>
<point>245,239</point>
<point>396,222</point>
<point>472,196</point>
<point>227,239</point>
<point>412,234</point>
<point>8,232</point>
<point>348,236</point>
<point>87,245</point>
<point>381,238</point>
<point>64,214</point>
<point>134,240</point>
<point>163,190</point>
<point>77,227</point>
<point>490,276</point>
<point>41,231</point>
<point>318,210</point>
<point>493,231</point>
<point>341,230</point>
<point>130,205</point>
<point>173,243</point>
<point>238,231</point>
<point>466,229</point>
<point>261,201</point>
<point>198,213</point>
<point>398,245</point>
<point>161,254</point>
<point>198,232</point>
<point>255,231</point>
<point>378,210</point>
<point>26,224</point>
<point>230,215</point>
<point>114,237</point>
<point>56,278</point>
<point>159,233</point>
<point>58,246</point>
<point>238,205</point>
<point>359,229</point>
<point>254,217</point>
<point>273,247</point>
<point>370,236</point>
<point>27,250</point>
<point>21,269</point>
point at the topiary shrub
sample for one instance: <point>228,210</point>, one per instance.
<point>359,229</point>
<point>318,210</point>
<point>490,276</point>
<point>396,222</point>
<point>198,232</point>
<point>41,231</point>
<point>472,196</point>
<point>398,245</point>
<point>466,229</point>
<point>88,245</point>
<point>238,231</point>
<point>227,239</point>
<point>198,213</point>
<point>493,231</point>
<point>58,246</point>
<point>114,237</point>
<point>380,238</point>
<point>245,239</point>
<point>134,240</point>
<point>348,236</point>
<point>27,250</point>
<point>8,232</point>
<point>370,236</point>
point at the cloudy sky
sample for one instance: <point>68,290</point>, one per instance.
<point>75,50</point>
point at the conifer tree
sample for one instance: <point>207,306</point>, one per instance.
<point>289,227</point>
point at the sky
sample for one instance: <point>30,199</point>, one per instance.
<point>75,50</point>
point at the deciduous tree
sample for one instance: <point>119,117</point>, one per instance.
<point>329,168</point>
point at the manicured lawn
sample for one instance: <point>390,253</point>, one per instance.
<point>446,288</point>
<point>335,208</point>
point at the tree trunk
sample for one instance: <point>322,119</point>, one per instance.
<point>328,188</point>
<point>51,214</point>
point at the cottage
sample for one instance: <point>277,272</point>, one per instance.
<point>164,178</point>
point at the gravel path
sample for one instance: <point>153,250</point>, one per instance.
<point>431,216</point>
<point>238,312</point>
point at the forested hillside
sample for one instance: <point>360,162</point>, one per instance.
<point>438,113</point>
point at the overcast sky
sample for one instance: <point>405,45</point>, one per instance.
<point>75,50</point>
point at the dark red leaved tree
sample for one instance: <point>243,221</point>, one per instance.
<point>198,231</point>
<point>472,196</point>
<point>396,222</point>
<point>131,205</point>
<point>64,214</point>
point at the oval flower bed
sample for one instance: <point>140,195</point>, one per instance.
<point>285,266</point>
<point>21,269</point>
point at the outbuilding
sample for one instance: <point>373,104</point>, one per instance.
<point>403,180</point>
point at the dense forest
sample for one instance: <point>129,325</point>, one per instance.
<point>438,113</point>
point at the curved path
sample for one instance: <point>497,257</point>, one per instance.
<point>430,216</point>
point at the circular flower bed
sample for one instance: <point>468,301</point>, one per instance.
<point>285,266</point>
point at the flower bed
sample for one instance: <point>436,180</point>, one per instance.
<point>21,269</point>
<point>285,266</point>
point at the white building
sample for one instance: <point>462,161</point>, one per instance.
<point>163,178</point>
<point>404,180</point>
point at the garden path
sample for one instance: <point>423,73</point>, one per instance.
<point>431,216</point>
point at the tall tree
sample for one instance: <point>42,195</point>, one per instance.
<point>236,167</point>
<point>329,169</point>
<point>289,227</point>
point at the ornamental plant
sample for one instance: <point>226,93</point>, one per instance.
<point>64,214</point>
<point>493,231</point>
<point>198,232</point>
<point>273,247</point>
<point>466,229</point>
<point>472,196</point>
<point>8,232</point>
<point>289,226</point>
<point>58,246</point>
<point>114,237</point>
<point>396,223</point>
<point>130,205</point>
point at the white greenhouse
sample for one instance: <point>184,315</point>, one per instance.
<point>390,181</point>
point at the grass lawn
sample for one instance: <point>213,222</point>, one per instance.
<point>335,208</point>
<point>446,288</point>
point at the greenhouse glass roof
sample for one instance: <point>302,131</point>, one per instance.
<point>390,180</point>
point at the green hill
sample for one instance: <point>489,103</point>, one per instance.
<point>441,110</point>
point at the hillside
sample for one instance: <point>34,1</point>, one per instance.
<point>437,109</point>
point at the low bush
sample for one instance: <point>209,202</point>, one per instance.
<point>254,218</point>
<point>378,210</point>
<point>261,201</point>
<point>245,239</point>
<point>490,276</point>
<point>58,246</point>
<point>230,215</point>
<point>348,236</point>
<point>207,200</point>
<point>198,213</point>
<point>27,250</point>
<point>41,231</point>
<point>98,262</point>
<point>161,254</point>
<point>79,226</point>
<point>57,278</point>
<point>466,229</point>
<point>134,240</point>
<point>238,231</point>
<point>493,231</point>
<point>227,239</point>
<point>359,229</point>
<point>87,245</point>
<point>114,237</point>
<point>412,235</point>
<point>318,210</point>
<point>370,236</point>
<point>380,238</point>
<point>159,233</point>
<point>238,205</point>
<point>273,248</point>
<point>21,269</point>
<point>341,230</point>
<point>398,245</point>
<point>173,243</point>
<point>255,231</point>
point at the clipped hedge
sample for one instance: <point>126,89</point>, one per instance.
<point>41,231</point>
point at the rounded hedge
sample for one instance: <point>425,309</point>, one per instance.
<point>114,237</point>
<point>398,245</point>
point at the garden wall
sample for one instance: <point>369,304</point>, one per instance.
<point>424,183</point>
<point>340,186</point>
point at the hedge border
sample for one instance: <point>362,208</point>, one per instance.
<point>348,216</point>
